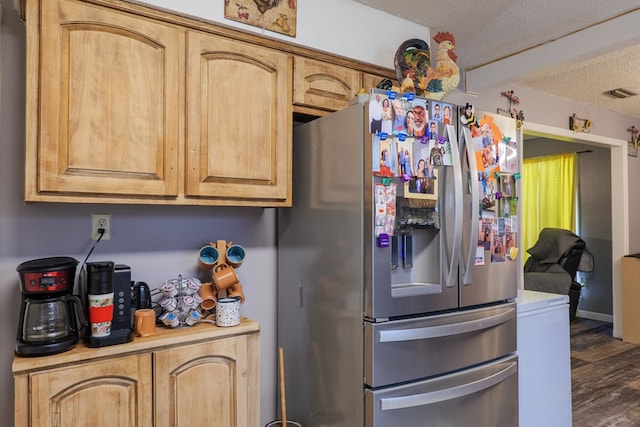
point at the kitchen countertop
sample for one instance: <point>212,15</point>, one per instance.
<point>533,300</point>
<point>163,337</point>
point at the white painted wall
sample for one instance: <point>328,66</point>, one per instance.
<point>343,27</point>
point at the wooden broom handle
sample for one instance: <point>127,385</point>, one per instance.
<point>283,396</point>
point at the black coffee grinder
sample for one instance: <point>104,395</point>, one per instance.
<point>49,314</point>
<point>104,278</point>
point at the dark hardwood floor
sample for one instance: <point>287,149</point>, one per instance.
<point>605,377</point>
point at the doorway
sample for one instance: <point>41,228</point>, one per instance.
<point>618,193</point>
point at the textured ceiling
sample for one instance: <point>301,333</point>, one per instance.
<point>590,81</point>
<point>487,31</point>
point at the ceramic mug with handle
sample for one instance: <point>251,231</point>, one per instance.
<point>235,255</point>
<point>207,294</point>
<point>208,257</point>
<point>224,276</point>
<point>145,322</point>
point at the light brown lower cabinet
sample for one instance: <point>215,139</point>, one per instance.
<point>198,376</point>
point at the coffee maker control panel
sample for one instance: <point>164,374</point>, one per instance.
<point>122,299</point>
<point>37,282</point>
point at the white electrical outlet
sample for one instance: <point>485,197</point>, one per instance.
<point>99,221</point>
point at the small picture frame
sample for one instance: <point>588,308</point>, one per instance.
<point>507,185</point>
<point>422,187</point>
<point>577,124</point>
<point>632,148</point>
<point>280,17</point>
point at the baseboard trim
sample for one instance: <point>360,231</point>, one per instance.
<point>595,316</point>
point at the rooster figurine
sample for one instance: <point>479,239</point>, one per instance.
<point>415,73</point>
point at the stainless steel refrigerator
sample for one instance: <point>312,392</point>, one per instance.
<point>402,314</point>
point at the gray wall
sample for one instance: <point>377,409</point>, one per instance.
<point>594,224</point>
<point>595,229</point>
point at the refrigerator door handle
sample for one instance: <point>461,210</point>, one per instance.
<point>454,261</point>
<point>456,392</point>
<point>407,251</point>
<point>446,330</point>
<point>467,268</point>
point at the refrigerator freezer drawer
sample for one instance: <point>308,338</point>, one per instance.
<point>405,350</point>
<point>484,396</point>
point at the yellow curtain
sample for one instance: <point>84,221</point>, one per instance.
<point>548,195</point>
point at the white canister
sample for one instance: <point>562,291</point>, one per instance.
<point>228,311</point>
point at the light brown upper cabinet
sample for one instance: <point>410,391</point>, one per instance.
<point>128,108</point>
<point>129,103</point>
<point>323,85</point>
<point>239,120</point>
<point>103,108</point>
<point>370,81</point>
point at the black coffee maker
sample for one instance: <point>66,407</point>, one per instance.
<point>50,314</point>
<point>106,277</point>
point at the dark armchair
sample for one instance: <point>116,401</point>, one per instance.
<point>555,260</point>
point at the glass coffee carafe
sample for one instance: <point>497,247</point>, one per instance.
<point>47,319</point>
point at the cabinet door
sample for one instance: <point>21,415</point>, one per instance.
<point>370,81</point>
<point>115,392</point>
<point>215,383</point>
<point>323,85</point>
<point>239,121</point>
<point>107,89</point>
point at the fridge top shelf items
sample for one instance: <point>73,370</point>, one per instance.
<point>417,74</point>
